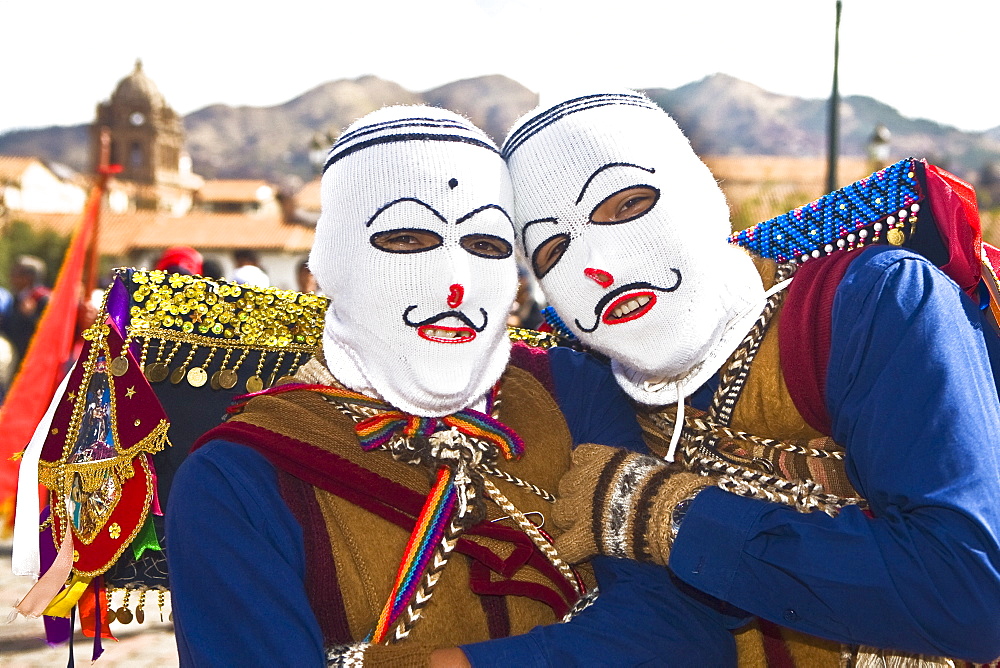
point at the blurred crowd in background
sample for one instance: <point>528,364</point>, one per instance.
<point>29,285</point>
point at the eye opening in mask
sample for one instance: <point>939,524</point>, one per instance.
<point>625,205</point>
<point>406,240</point>
<point>548,253</point>
<point>488,246</point>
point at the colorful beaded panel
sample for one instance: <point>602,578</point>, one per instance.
<point>880,208</point>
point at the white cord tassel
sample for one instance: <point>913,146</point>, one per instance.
<point>675,436</point>
<point>778,287</point>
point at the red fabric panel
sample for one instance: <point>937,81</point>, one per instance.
<point>322,585</point>
<point>953,203</point>
<point>804,333</point>
<point>775,650</point>
<point>479,583</point>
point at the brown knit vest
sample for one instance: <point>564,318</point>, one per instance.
<point>353,554</point>
<point>765,408</point>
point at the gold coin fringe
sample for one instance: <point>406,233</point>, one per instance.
<point>180,316</point>
<point>121,608</point>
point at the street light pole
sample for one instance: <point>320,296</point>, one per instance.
<point>833,130</point>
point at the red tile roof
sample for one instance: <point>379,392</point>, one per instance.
<point>308,197</point>
<point>123,233</point>
<point>12,167</point>
<point>232,190</point>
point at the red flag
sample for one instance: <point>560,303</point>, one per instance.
<point>44,363</point>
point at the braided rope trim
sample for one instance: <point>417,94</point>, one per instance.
<point>805,496</point>
<point>411,615</point>
<point>528,527</point>
<point>735,375</point>
<point>666,421</point>
<point>582,604</point>
<point>346,656</point>
<point>514,480</point>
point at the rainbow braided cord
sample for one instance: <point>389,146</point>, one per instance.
<point>486,428</point>
<point>376,431</point>
<point>424,540</point>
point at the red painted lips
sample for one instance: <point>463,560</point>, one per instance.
<point>441,334</point>
<point>629,306</point>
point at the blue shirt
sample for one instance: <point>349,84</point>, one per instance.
<point>912,398</point>
<point>237,565</point>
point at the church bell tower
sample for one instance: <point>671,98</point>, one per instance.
<point>147,140</point>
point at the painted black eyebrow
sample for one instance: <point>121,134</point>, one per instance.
<point>481,209</point>
<point>405,199</point>
<point>608,166</point>
<point>524,238</point>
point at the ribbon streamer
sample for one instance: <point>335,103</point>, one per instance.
<point>51,583</point>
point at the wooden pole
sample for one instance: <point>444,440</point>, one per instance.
<point>104,171</point>
<point>833,130</point>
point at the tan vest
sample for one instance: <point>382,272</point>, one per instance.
<point>367,549</point>
<point>765,408</point>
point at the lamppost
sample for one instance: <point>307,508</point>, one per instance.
<point>318,148</point>
<point>833,130</point>
<point>878,147</point>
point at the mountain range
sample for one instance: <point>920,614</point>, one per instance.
<point>721,115</point>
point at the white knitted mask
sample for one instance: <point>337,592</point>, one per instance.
<point>413,247</point>
<point>660,292</point>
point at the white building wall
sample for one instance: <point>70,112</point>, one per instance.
<point>42,191</point>
<point>281,267</point>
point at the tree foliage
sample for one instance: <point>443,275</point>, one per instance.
<point>19,238</point>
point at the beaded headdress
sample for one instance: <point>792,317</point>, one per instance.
<point>887,207</point>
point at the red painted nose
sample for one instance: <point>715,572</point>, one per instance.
<point>599,276</point>
<point>455,295</point>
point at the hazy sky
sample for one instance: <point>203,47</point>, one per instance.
<point>928,59</point>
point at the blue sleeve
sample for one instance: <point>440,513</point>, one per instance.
<point>237,565</point>
<point>595,407</point>
<point>912,397</point>
<point>643,616</point>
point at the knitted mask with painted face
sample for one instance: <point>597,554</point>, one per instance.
<point>626,230</point>
<point>414,248</point>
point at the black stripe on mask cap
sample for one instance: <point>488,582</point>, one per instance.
<point>563,109</point>
<point>412,136</point>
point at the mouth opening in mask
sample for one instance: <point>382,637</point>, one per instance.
<point>628,307</point>
<point>627,303</point>
<point>440,334</point>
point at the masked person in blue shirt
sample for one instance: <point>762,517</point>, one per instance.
<point>831,422</point>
